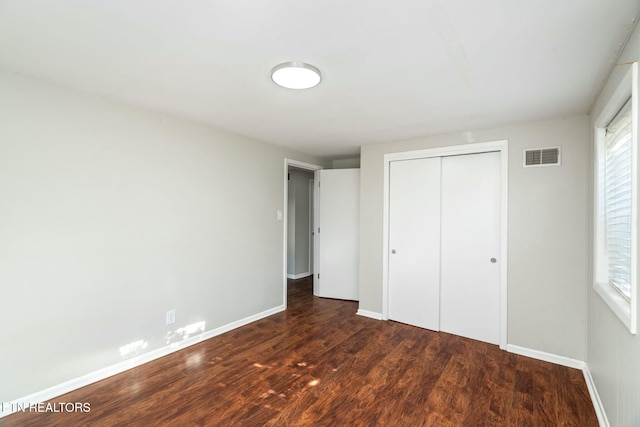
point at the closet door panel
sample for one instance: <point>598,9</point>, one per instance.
<point>470,246</point>
<point>414,242</point>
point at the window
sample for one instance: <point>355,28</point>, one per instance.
<point>616,201</point>
<point>615,173</point>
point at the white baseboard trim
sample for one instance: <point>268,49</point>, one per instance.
<point>603,421</point>
<point>76,383</point>
<point>298,276</point>
<point>370,314</point>
<point>547,357</point>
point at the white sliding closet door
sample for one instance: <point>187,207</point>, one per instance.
<point>414,242</point>
<point>444,244</point>
<point>470,246</point>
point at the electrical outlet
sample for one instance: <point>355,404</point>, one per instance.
<point>171,317</point>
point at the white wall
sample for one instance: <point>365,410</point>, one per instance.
<point>109,216</point>
<point>547,231</point>
<point>298,228</point>
<point>350,163</point>
<point>291,227</point>
<point>613,354</point>
<point>303,236</point>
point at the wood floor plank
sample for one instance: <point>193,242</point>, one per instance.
<point>320,364</point>
<point>522,402</point>
<point>492,372</point>
<point>581,397</point>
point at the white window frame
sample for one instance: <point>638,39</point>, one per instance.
<point>626,310</point>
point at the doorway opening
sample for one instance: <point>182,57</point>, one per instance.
<point>300,246</point>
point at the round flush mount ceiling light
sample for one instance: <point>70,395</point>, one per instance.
<point>295,75</point>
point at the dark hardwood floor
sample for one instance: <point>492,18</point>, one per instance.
<point>320,364</point>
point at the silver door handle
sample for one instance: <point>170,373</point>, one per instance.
<point>393,251</point>
<point>493,260</point>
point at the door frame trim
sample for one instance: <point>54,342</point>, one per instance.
<point>301,165</point>
<point>501,146</point>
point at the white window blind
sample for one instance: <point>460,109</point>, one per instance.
<point>616,178</point>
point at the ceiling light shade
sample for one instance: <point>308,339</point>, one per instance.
<point>295,75</point>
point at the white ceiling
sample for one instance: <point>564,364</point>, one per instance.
<point>391,70</point>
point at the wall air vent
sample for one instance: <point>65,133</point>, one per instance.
<point>542,157</point>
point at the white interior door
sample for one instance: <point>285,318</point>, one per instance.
<point>338,235</point>
<point>470,246</point>
<point>312,259</point>
<point>414,242</point>
<point>316,235</point>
